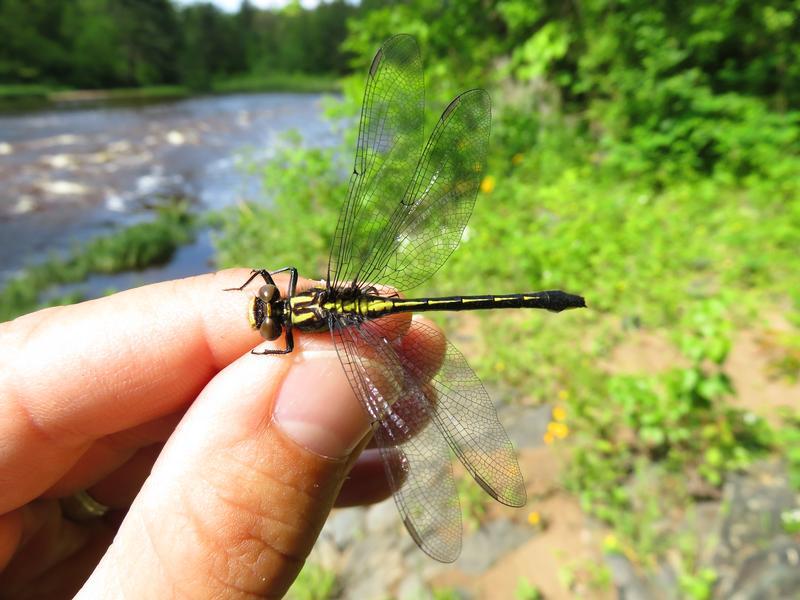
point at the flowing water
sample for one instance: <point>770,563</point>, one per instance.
<point>67,175</point>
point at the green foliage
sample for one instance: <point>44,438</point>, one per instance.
<point>445,593</point>
<point>276,82</point>
<point>23,92</point>
<point>677,425</point>
<point>296,39</point>
<point>93,55</point>
<point>790,521</point>
<point>29,40</point>
<point>88,43</point>
<point>460,39</point>
<point>788,441</point>
<point>665,91</point>
<point>313,583</point>
<point>525,590</point>
<point>134,248</point>
<point>23,96</point>
<point>474,502</point>
<point>211,45</point>
<point>699,586</point>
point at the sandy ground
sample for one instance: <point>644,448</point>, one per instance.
<point>567,541</point>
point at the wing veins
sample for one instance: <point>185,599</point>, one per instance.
<point>427,500</point>
<point>414,211</point>
<point>392,113</point>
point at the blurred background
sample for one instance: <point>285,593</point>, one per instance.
<point>644,154</point>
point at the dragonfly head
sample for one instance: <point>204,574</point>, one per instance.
<point>263,313</point>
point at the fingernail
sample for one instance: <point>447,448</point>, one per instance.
<point>317,409</point>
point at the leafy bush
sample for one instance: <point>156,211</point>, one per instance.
<point>679,423</point>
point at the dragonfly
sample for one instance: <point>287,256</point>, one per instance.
<point>408,204</point>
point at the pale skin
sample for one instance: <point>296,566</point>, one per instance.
<point>220,466</point>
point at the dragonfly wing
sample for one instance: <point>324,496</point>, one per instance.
<point>421,477</point>
<point>389,146</point>
<point>422,227</point>
<point>415,455</point>
<point>466,416</point>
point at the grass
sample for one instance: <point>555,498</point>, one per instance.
<point>525,590</point>
<point>23,91</point>
<point>277,82</point>
<point>23,96</point>
<point>474,502</point>
<point>313,583</point>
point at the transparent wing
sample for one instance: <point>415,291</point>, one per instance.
<point>440,400</point>
<point>421,228</point>
<point>389,147</point>
<point>415,455</point>
<point>465,414</point>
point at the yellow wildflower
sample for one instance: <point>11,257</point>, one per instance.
<point>549,438</point>
<point>559,430</point>
<point>559,414</point>
<point>487,185</point>
<point>516,159</point>
<point>563,395</point>
<point>611,543</point>
<point>499,366</point>
<point>534,518</point>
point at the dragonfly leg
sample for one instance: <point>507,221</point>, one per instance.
<point>267,276</point>
<point>292,278</point>
<point>253,274</point>
<point>287,350</point>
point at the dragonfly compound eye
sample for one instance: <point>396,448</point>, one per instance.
<point>268,293</point>
<point>270,329</point>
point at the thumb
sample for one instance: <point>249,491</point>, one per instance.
<point>241,490</point>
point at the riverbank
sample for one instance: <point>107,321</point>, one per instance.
<point>15,98</point>
<point>132,249</point>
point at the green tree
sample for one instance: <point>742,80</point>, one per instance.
<point>31,46</point>
<point>96,58</point>
<point>211,45</point>
<point>149,37</point>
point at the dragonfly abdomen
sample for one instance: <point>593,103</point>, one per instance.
<point>554,300</point>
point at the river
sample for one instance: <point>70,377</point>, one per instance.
<point>67,175</point>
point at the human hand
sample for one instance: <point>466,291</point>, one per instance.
<point>257,448</point>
